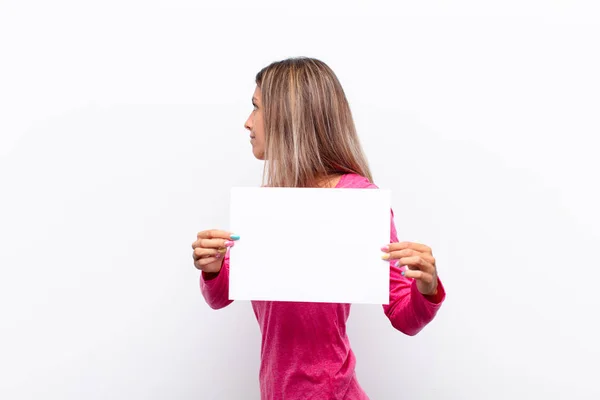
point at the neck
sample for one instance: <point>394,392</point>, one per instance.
<point>328,181</point>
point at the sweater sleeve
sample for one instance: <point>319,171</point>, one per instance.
<point>216,290</point>
<point>408,310</point>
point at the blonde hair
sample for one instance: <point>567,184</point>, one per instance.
<point>309,130</point>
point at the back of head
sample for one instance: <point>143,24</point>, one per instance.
<point>309,130</point>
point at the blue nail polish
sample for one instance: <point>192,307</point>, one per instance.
<point>402,273</point>
<point>235,237</point>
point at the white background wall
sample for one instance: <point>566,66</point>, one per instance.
<point>121,132</point>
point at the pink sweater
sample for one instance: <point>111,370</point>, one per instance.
<point>305,352</point>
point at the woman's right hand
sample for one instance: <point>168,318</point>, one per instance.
<point>210,248</point>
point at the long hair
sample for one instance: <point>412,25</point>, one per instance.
<point>309,130</point>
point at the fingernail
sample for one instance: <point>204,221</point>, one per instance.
<point>234,237</point>
<point>386,256</point>
<point>229,243</point>
<point>385,248</point>
<point>218,255</point>
<point>402,273</point>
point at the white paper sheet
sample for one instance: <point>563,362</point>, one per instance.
<point>310,245</point>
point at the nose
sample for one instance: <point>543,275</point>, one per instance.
<point>248,124</point>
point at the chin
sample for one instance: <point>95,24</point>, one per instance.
<point>260,155</point>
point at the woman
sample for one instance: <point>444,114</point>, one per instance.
<point>302,127</point>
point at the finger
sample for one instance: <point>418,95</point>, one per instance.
<point>396,255</point>
<point>214,234</point>
<point>199,264</point>
<point>417,263</point>
<point>200,252</point>
<point>409,245</point>
<point>420,275</point>
<point>212,243</point>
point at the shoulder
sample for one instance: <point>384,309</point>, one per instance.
<point>355,181</point>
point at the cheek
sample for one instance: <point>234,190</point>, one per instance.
<point>259,126</point>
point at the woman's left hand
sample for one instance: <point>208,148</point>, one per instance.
<point>419,261</point>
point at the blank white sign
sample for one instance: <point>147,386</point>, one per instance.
<point>309,244</point>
